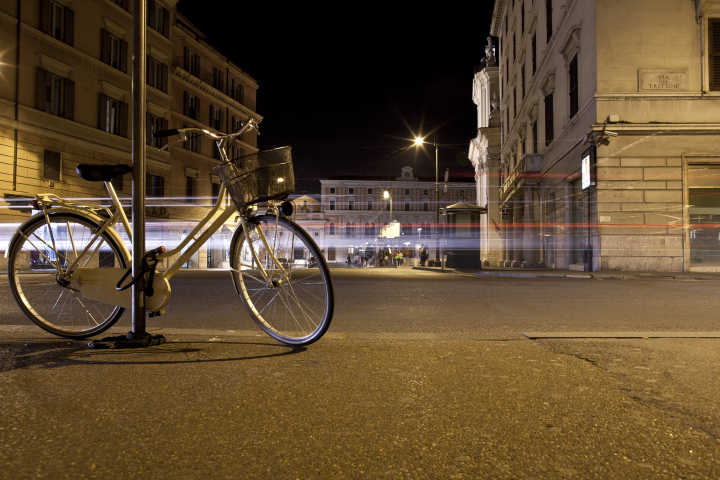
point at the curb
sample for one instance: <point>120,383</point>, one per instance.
<point>579,275</point>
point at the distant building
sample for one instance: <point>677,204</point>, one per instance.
<point>70,104</point>
<point>609,155</point>
<point>355,211</point>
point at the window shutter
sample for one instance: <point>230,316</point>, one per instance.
<point>549,124</point>
<point>186,103</point>
<point>164,126</point>
<point>164,78</point>
<point>69,99</point>
<point>148,70</point>
<point>186,60</point>
<point>166,22</point>
<point>123,126</point>
<point>148,129</point>
<point>45,17</point>
<point>151,13</point>
<point>69,24</point>
<point>41,89</point>
<point>123,56</point>
<point>105,46</point>
<point>103,112</point>
<point>714,41</point>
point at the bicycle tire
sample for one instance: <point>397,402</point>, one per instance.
<point>35,280</point>
<point>298,310</point>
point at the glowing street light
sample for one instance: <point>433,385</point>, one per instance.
<point>419,141</point>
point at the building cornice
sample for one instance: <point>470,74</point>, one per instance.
<point>193,81</point>
<point>496,22</point>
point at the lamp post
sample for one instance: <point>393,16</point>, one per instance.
<point>420,141</point>
<point>387,196</point>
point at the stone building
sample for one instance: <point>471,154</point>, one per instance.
<point>355,212</point>
<point>65,95</point>
<point>610,134</point>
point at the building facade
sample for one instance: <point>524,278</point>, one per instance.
<point>65,95</point>
<point>356,210</point>
<point>610,134</point>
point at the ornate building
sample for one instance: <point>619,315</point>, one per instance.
<point>610,126</point>
<point>356,210</point>
<point>65,90</point>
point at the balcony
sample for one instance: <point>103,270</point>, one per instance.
<point>529,166</point>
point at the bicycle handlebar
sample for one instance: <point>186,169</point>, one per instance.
<point>251,123</point>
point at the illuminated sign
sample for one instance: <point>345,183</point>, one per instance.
<point>587,169</point>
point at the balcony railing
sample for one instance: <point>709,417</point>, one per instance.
<point>218,82</point>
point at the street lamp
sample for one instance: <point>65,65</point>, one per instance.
<point>419,141</point>
<point>387,196</point>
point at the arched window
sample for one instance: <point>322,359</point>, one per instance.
<point>332,229</point>
<point>407,229</point>
<point>349,229</point>
<point>370,229</point>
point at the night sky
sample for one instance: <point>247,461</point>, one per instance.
<point>348,88</point>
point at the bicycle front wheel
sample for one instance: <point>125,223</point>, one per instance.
<point>38,255</point>
<point>294,301</point>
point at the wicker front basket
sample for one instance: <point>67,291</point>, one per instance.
<point>258,177</point>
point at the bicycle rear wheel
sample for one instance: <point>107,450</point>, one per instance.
<point>294,307</point>
<point>37,255</point>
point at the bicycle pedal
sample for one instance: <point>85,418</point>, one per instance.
<point>156,314</point>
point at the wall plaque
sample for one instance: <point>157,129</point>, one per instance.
<point>663,80</point>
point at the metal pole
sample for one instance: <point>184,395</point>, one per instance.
<point>437,200</point>
<point>138,158</point>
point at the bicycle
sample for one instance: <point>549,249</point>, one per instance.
<point>68,265</point>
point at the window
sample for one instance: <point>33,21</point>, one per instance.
<point>407,229</point>
<point>121,3</point>
<point>714,58</point>
<point>369,204</point>
<point>218,79</point>
<point>534,139</point>
<point>55,94</point>
<point>331,229</point>
<point>370,229</point>
<point>235,124</point>
<point>113,116</point>
<point>370,191</point>
<point>548,19</point>
<point>191,105</point>
<point>573,86</point>
<point>351,205</point>
<point>332,189</point>
<point>191,62</point>
<point>157,74</point>
<point>154,185</point>
<point>533,55</point>
<point>193,143</point>
<point>117,182</point>
<point>57,21</point>
<point>52,165</point>
<point>215,118</point>
<point>426,207</point>
<point>349,229</point>
<point>351,191</point>
<point>426,191</point>
<point>190,188</point>
<point>332,204</point>
<point>158,18</point>
<point>549,125</point>
<point>407,206</point>
<point>237,91</point>
<point>237,151</point>
<point>215,191</point>
<point>407,191</point>
<point>113,51</point>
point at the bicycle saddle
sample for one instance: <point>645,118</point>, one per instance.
<point>101,173</point>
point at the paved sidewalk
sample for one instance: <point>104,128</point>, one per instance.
<point>552,273</point>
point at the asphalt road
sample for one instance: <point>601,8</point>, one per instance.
<point>422,375</point>
<point>402,301</point>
